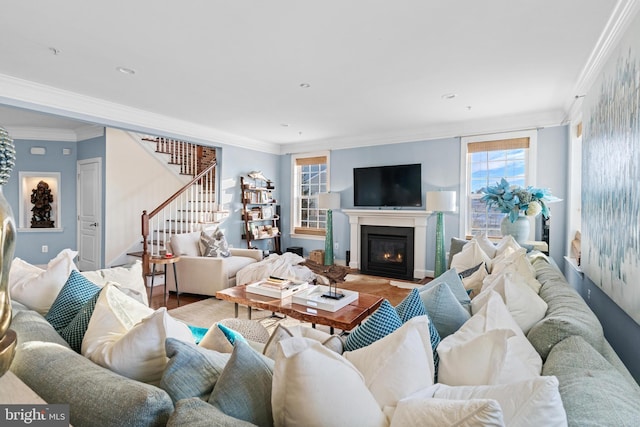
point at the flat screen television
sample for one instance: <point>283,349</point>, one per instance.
<point>397,186</point>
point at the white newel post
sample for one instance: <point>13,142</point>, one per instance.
<point>417,219</point>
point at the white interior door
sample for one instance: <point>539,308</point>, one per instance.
<point>89,193</point>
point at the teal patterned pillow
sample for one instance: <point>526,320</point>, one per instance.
<point>412,306</point>
<point>74,332</point>
<point>381,323</point>
<point>75,293</point>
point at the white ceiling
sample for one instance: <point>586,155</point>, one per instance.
<point>215,70</point>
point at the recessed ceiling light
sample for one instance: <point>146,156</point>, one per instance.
<point>305,85</point>
<point>449,96</point>
<point>125,70</point>
<point>284,125</point>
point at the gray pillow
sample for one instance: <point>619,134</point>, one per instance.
<point>593,391</point>
<point>197,413</point>
<point>444,309</point>
<point>453,280</point>
<point>192,371</point>
<point>455,247</point>
<point>243,390</point>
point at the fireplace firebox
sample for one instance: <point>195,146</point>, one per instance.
<point>387,251</point>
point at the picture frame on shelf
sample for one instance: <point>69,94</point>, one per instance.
<point>267,212</point>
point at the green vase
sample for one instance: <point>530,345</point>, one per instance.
<point>519,229</point>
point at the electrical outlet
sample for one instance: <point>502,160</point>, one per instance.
<point>588,293</point>
<point>45,249</point>
<point>335,246</point>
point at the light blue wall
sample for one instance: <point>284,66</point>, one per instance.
<point>236,162</point>
<point>440,161</point>
<point>29,243</point>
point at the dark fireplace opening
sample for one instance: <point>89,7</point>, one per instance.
<point>387,251</point>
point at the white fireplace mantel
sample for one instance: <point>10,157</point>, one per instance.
<point>417,219</point>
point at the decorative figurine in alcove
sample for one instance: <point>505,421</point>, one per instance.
<point>41,198</point>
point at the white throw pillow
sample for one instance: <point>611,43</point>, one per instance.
<point>531,403</point>
<point>314,386</point>
<point>489,348</point>
<point>21,271</point>
<point>433,412</point>
<point>128,337</point>
<point>397,365</point>
<point>505,243</point>
<point>129,277</point>
<point>39,291</point>
<point>473,283</point>
<point>526,306</point>
<point>470,256</point>
<point>486,245</point>
<point>332,342</point>
<point>517,262</point>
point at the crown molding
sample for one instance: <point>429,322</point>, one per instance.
<point>42,134</point>
<point>47,99</point>
<point>449,130</point>
<point>88,132</point>
<point>622,15</point>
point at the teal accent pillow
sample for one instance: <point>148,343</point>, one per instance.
<point>412,306</point>
<point>191,371</point>
<point>444,309</point>
<point>75,293</point>
<point>231,335</point>
<point>381,323</point>
<point>198,332</point>
<point>74,332</point>
<point>243,390</point>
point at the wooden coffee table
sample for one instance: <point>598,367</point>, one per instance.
<point>345,319</point>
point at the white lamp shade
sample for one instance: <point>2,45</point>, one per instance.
<point>328,200</point>
<point>441,201</point>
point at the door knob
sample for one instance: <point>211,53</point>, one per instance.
<point>95,224</point>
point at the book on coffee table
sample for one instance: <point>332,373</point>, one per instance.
<point>313,298</point>
<point>266,288</point>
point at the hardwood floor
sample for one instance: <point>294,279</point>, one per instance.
<point>172,301</point>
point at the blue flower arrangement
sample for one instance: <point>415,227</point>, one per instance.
<point>513,199</point>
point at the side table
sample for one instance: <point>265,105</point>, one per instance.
<point>164,261</point>
<point>13,391</point>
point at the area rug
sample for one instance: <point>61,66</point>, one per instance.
<point>205,313</point>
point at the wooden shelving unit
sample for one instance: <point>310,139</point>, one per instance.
<point>261,221</point>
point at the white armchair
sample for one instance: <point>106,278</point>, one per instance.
<point>205,275</point>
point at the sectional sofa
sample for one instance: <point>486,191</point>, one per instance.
<point>594,386</point>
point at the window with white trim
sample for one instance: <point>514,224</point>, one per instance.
<point>486,162</point>
<point>310,177</point>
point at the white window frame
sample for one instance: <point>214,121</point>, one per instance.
<point>530,177</point>
<point>295,194</point>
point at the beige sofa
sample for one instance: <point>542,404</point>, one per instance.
<point>205,275</point>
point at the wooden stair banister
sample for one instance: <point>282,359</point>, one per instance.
<point>204,178</point>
